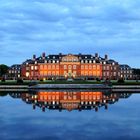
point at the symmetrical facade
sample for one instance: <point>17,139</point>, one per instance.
<point>70,66</point>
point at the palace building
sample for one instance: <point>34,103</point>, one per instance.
<point>70,66</point>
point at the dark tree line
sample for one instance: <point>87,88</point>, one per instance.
<point>136,71</point>
<point>3,69</point>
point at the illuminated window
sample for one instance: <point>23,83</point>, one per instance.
<point>41,73</point>
<point>57,72</point>
<point>82,67</point>
<point>49,72</point>
<point>70,66</point>
<point>94,67</point>
<point>41,66</point>
<point>45,66</point>
<point>49,67</point>
<point>35,67</point>
<point>53,73</point>
<point>27,74</point>
<point>53,61</point>
<point>86,67</point>
<point>98,67</point>
<point>90,73</point>
<point>90,67</point>
<point>107,67</point>
<point>32,67</point>
<point>74,66</point>
<point>53,66</point>
<point>57,66</point>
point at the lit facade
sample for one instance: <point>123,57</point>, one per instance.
<point>70,66</point>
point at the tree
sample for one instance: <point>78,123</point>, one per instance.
<point>3,69</point>
<point>136,71</point>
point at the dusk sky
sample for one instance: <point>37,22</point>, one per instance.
<point>30,27</point>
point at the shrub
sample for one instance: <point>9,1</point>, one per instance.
<point>98,80</point>
<point>121,80</point>
<point>19,81</point>
<point>3,79</point>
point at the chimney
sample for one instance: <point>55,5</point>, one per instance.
<point>34,57</point>
<point>60,54</point>
<point>96,55</point>
<point>43,55</point>
<point>106,57</point>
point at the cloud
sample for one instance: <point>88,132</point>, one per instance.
<point>107,26</point>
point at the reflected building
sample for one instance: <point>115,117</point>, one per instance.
<point>70,100</point>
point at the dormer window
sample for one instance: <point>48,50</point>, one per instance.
<point>53,57</point>
<point>85,56</point>
<point>104,62</point>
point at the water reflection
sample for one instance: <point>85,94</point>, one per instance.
<point>70,100</point>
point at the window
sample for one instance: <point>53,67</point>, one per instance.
<point>90,67</point>
<point>94,66</point>
<point>27,74</point>
<point>35,67</point>
<point>49,66</point>
<point>74,66</point>
<point>65,66</point>
<point>57,67</point>
<point>32,67</point>
<point>53,66</point>
<point>45,66</point>
<point>82,67</point>
<point>86,67</point>
<point>70,66</point>
<point>41,66</point>
<point>98,67</point>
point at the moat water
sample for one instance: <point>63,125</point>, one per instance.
<point>69,115</point>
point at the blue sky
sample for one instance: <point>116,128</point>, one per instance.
<point>30,27</point>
